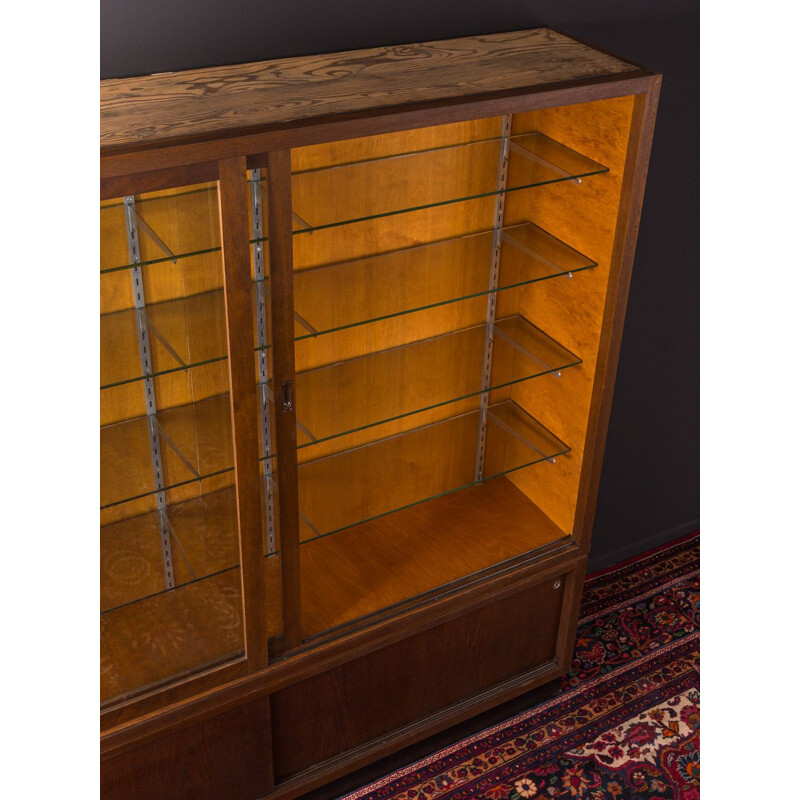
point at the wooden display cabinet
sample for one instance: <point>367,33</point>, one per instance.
<point>360,318</point>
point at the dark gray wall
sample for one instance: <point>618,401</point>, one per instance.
<point>649,490</point>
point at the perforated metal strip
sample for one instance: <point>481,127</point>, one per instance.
<point>491,303</point>
<point>261,334</point>
<point>149,389</point>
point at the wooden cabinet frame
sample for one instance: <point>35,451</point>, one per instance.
<point>223,714</point>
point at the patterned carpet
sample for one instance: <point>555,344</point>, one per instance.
<point>626,723</point>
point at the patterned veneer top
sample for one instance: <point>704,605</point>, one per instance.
<point>207,103</point>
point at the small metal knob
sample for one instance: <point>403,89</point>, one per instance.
<point>287,396</point>
<point>557,584</point>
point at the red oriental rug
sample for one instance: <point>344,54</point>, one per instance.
<point>626,723</point>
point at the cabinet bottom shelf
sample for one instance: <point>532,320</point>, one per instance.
<point>178,632</point>
<point>346,577</point>
<point>383,562</point>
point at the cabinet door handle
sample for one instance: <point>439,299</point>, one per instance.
<point>287,396</point>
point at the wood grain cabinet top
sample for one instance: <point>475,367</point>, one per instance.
<point>201,104</point>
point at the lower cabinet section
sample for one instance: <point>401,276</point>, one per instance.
<point>371,696</point>
<point>293,738</point>
<point>226,757</point>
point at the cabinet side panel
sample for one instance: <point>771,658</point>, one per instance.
<point>226,756</point>
<point>366,698</point>
<point>571,310</point>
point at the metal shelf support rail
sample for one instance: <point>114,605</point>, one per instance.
<point>131,222</point>
<point>491,302</point>
<point>256,200</point>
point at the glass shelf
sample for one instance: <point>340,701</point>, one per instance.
<point>195,443</point>
<point>171,227</point>
<point>203,542</point>
<point>174,258</point>
<point>389,384</point>
<point>418,465</point>
<point>190,332</point>
<point>337,296</point>
<point>183,333</point>
<point>413,181</point>
<point>156,206</point>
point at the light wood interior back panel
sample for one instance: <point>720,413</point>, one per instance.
<point>392,144</point>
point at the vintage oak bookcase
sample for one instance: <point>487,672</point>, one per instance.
<point>360,318</point>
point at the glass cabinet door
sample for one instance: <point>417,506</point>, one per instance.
<point>400,359</point>
<point>171,597</point>
<point>410,339</point>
